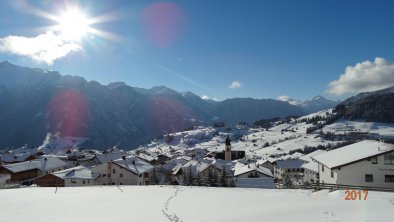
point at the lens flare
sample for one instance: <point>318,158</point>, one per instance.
<point>68,113</point>
<point>163,23</point>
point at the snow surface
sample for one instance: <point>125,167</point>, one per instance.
<point>345,126</point>
<point>189,204</point>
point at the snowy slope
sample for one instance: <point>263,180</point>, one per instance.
<point>199,204</point>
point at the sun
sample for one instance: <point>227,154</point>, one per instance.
<point>73,24</point>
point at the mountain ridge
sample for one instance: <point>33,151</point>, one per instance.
<point>43,101</point>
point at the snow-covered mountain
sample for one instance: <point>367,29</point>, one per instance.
<point>376,106</point>
<point>318,103</point>
<point>34,102</point>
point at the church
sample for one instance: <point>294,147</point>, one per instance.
<point>228,153</point>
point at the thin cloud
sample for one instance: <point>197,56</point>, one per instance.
<point>235,85</point>
<point>284,98</point>
<point>364,77</point>
<point>45,48</point>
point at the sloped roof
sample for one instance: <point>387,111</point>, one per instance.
<point>78,172</point>
<point>147,157</point>
<point>104,158</point>
<point>134,164</point>
<point>307,157</point>
<point>42,164</point>
<point>289,164</point>
<point>196,166</point>
<point>353,153</point>
<point>313,166</point>
<point>11,157</point>
<point>240,169</point>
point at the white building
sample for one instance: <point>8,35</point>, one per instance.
<point>253,176</point>
<point>288,167</point>
<point>366,163</point>
<point>72,177</point>
<point>124,171</point>
<point>311,168</point>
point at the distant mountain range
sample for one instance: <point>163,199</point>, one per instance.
<point>318,103</point>
<point>35,101</point>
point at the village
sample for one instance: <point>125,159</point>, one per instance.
<point>213,157</point>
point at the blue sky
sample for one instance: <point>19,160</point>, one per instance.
<point>271,48</point>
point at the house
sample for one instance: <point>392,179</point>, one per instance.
<point>288,167</point>
<point>253,176</point>
<point>366,163</point>
<point>107,157</point>
<point>9,158</point>
<point>124,171</point>
<point>205,173</point>
<point>174,169</point>
<point>150,158</point>
<point>76,176</point>
<point>311,168</point>
<point>25,171</point>
<point>4,179</point>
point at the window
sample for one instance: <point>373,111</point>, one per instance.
<point>104,175</point>
<point>322,168</point>
<point>113,171</point>
<point>73,181</point>
<point>389,159</point>
<point>121,175</point>
<point>83,181</point>
<point>374,160</point>
<point>140,175</point>
<point>389,178</point>
<point>332,173</point>
<point>368,177</point>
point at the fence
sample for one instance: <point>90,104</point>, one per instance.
<point>320,186</point>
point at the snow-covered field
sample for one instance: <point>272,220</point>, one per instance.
<point>345,126</point>
<point>155,203</point>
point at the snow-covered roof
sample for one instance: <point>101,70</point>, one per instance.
<point>147,157</point>
<point>104,158</point>
<point>42,164</point>
<point>134,164</point>
<point>11,157</point>
<point>289,164</point>
<point>196,166</point>
<point>78,172</point>
<point>307,157</point>
<point>240,169</point>
<point>353,153</point>
<point>313,166</point>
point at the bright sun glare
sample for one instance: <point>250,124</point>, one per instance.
<point>73,24</point>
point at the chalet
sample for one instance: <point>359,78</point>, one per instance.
<point>28,170</point>
<point>366,163</point>
<point>311,168</point>
<point>124,171</point>
<point>76,176</point>
<point>288,167</point>
<point>253,176</point>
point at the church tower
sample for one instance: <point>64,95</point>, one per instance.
<point>227,151</point>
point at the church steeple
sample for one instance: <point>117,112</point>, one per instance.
<point>227,151</point>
